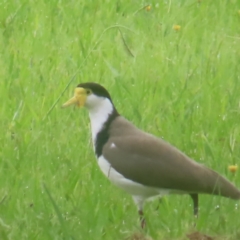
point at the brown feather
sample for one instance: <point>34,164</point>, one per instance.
<point>151,161</point>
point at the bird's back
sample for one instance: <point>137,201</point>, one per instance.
<point>159,164</point>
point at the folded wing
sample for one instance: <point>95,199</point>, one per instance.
<point>153,162</point>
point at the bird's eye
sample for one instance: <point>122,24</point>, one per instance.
<point>88,92</point>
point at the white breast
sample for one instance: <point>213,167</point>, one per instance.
<point>99,111</point>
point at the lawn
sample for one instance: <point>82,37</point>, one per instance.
<point>172,68</point>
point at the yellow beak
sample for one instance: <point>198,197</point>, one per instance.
<point>78,99</point>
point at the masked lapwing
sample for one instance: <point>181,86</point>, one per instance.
<point>143,165</point>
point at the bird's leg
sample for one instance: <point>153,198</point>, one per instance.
<point>142,219</point>
<point>159,202</point>
<point>194,197</point>
<point>140,202</point>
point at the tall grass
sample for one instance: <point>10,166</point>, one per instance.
<point>181,85</point>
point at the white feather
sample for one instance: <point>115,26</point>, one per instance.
<point>112,145</point>
<point>99,110</point>
<point>139,192</point>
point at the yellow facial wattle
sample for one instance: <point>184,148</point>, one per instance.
<point>78,99</point>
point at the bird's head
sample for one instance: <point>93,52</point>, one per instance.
<point>89,95</point>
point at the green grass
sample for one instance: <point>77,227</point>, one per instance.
<point>181,85</point>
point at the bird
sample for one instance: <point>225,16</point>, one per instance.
<point>140,163</point>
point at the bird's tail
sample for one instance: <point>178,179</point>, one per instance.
<point>224,187</point>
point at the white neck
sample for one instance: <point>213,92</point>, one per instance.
<point>99,115</point>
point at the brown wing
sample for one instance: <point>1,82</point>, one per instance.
<point>153,162</point>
